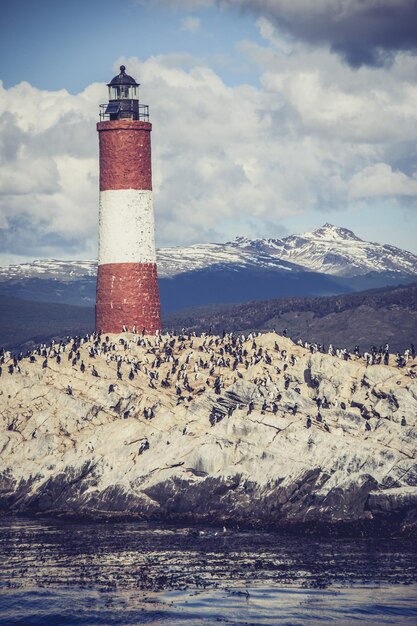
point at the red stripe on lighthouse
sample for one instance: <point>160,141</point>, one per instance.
<point>125,154</point>
<point>129,296</point>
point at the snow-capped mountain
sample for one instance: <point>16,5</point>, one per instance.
<point>65,271</point>
<point>335,251</point>
<point>328,250</point>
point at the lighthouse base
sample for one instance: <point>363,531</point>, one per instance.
<point>128,296</point>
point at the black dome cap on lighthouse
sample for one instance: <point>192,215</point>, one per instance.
<point>122,79</point>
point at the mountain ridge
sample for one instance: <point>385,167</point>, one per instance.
<point>331,250</point>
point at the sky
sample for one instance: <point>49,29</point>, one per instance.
<point>270,117</point>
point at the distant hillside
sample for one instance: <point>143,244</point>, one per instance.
<point>23,322</point>
<point>365,318</point>
<point>216,284</point>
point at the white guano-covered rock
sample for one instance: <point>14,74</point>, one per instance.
<point>247,455</point>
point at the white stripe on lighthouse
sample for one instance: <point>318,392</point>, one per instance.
<point>126,227</point>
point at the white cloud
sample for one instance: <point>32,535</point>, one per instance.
<point>273,36</point>
<point>190,24</point>
<point>380,180</point>
<point>48,175</point>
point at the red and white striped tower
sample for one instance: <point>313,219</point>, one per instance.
<point>127,281</point>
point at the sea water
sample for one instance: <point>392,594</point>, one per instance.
<point>56,572</point>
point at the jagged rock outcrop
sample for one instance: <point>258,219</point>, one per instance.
<point>209,429</point>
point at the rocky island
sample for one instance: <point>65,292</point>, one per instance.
<point>232,430</point>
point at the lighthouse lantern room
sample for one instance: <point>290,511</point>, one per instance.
<point>124,99</point>
<point>127,282</point>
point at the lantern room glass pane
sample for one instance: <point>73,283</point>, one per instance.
<point>122,92</point>
<point>113,93</point>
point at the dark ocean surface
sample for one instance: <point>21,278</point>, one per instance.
<point>66,573</point>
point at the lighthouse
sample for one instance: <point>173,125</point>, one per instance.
<point>127,281</point>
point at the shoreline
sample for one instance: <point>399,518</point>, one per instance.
<point>377,528</point>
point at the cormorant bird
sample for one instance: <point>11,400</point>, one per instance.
<point>143,446</point>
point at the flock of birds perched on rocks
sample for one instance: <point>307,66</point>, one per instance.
<point>186,366</point>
